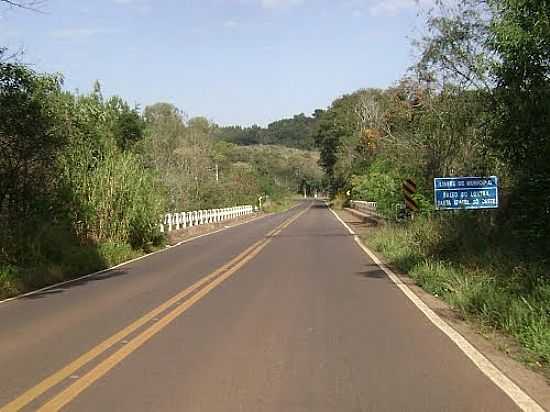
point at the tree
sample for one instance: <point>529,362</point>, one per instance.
<point>348,134</point>
<point>294,132</point>
<point>521,127</point>
<point>456,48</point>
<point>29,147</point>
<point>128,125</point>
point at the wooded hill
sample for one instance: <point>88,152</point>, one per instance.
<point>298,132</point>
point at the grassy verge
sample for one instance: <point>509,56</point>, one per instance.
<point>281,204</point>
<point>68,262</point>
<point>477,277</point>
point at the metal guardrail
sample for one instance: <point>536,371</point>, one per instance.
<point>182,220</point>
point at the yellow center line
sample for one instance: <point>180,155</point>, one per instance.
<point>72,391</point>
<point>230,267</point>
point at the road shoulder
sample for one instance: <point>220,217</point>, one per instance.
<point>535,385</point>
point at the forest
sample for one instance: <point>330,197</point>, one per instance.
<point>298,132</point>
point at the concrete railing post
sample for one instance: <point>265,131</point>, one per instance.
<point>177,220</point>
<point>169,221</point>
<point>184,219</point>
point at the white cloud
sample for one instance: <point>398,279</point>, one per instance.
<point>274,4</point>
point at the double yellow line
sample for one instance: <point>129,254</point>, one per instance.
<point>178,304</point>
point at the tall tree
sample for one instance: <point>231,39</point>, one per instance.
<point>521,36</point>
<point>30,144</point>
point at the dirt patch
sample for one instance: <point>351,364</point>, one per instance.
<point>503,351</point>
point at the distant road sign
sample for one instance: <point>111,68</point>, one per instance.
<point>409,189</point>
<point>466,192</point>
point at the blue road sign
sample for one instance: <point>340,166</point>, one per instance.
<point>466,192</point>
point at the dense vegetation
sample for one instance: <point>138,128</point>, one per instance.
<point>477,103</point>
<point>298,132</point>
<point>84,180</point>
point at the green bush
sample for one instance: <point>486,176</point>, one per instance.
<point>278,205</point>
<point>381,186</point>
<point>10,281</point>
<point>114,253</point>
<point>340,201</point>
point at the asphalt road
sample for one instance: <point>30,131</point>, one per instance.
<point>290,315</point>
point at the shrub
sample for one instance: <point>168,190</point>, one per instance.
<point>340,200</point>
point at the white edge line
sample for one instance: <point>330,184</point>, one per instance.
<point>99,272</point>
<point>514,392</point>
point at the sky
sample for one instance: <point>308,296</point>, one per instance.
<point>233,61</point>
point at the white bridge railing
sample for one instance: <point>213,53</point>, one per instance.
<point>182,220</point>
<point>365,206</point>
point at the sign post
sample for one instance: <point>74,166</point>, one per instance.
<point>455,193</point>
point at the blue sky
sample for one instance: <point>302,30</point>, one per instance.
<point>233,61</point>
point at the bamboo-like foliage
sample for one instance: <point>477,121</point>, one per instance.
<point>113,196</point>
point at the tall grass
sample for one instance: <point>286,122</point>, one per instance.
<point>57,254</point>
<point>279,203</point>
<point>114,198</point>
<point>476,271</point>
<point>339,201</point>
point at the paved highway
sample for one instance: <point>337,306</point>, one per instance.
<point>285,313</point>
